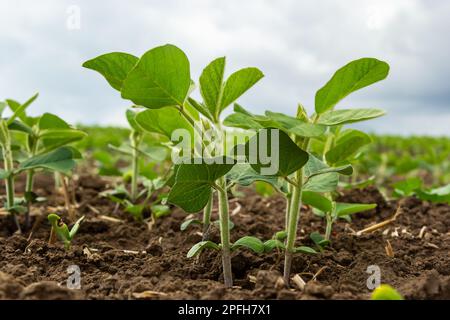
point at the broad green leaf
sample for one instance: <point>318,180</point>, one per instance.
<point>4,174</point>
<point>386,292</point>
<point>161,78</point>
<point>61,159</point>
<point>347,145</point>
<point>114,66</point>
<point>237,84</point>
<point>344,116</point>
<point>242,121</point>
<point>251,243</point>
<point>244,175</point>
<point>2,107</point>
<point>19,110</point>
<point>163,121</point>
<point>198,247</point>
<point>304,249</point>
<point>345,209</point>
<point>350,78</point>
<point>51,121</point>
<point>194,182</point>
<point>316,200</point>
<point>211,86</point>
<point>273,244</point>
<point>284,155</point>
<point>189,222</point>
<point>317,181</point>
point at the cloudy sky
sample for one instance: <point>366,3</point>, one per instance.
<point>297,44</point>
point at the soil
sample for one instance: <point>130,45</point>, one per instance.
<point>124,259</point>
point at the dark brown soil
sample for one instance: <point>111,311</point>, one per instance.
<point>127,260</point>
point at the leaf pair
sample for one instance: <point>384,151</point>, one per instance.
<point>218,94</point>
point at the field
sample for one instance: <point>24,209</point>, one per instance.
<point>121,258</point>
<point>187,203</point>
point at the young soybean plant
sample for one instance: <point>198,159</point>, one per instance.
<point>61,230</point>
<point>310,177</point>
<point>160,81</point>
<point>45,148</point>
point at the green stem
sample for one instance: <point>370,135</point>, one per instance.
<point>329,226</point>
<point>28,190</point>
<point>225,233</point>
<point>207,217</point>
<point>288,207</point>
<point>9,182</point>
<point>292,224</point>
<point>135,139</point>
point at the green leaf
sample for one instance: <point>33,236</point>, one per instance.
<point>323,182</point>
<point>238,83</point>
<point>296,126</point>
<point>386,292</point>
<point>211,86</point>
<point>114,66</point>
<point>273,244</point>
<point>194,182</point>
<point>21,127</point>
<point>163,121</point>
<point>286,155</point>
<point>189,222</point>
<point>75,228</point>
<point>61,159</point>
<point>340,117</point>
<point>304,249</point>
<point>244,175</point>
<point>345,209</point>
<point>407,187</point>
<point>131,118</point>
<point>161,78</point>
<point>54,132</point>
<point>347,145</point>
<point>317,201</point>
<point>4,174</point>
<point>19,110</point>
<point>319,240</point>
<point>350,78</point>
<point>200,108</point>
<point>160,210</point>
<point>251,243</point>
<point>281,235</point>
<point>198,247</point>
<point>437,195</point>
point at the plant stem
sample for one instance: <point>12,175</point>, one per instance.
<point>292,224</point>
<point>329,226</point>
<point>225,233</point>
<point>288,207</point>
<point>135,142</point>
<point>28,190</point>
<point>9,182</point>
<point>207,217</point>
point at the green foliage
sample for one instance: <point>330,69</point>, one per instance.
<point>350,78</point>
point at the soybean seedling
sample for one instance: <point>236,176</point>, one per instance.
<point>43,134</point>
<point>160,81</point>
<point>50,154</point>
<point>305,174</point>
<point>61,230</point>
